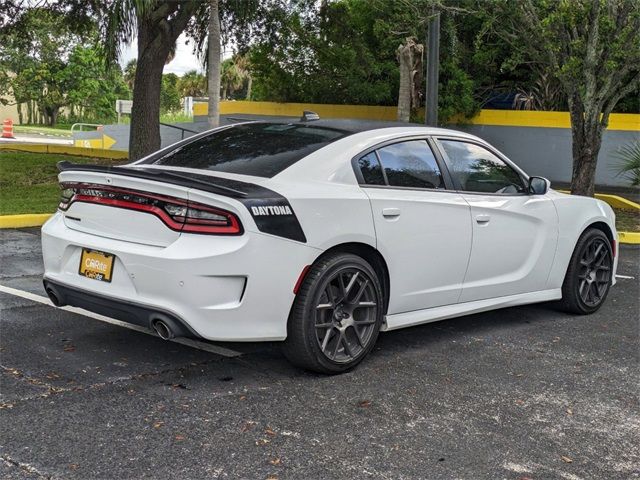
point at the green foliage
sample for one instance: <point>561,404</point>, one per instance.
<point>192,84</point>
<point>628,166</point>
<point>54,67</point>
<point>169,93</point>
<point>345,52</point>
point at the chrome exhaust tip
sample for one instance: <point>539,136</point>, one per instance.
<point>163,330</point>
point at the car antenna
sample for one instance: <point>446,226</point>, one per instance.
<point>308,116</point>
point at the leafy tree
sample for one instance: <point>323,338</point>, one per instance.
<point>192,84</point>
<point>54,67</point>
<point>591,47</point>
<point>169,94</point>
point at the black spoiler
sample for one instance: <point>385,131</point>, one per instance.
<point>191,180</point>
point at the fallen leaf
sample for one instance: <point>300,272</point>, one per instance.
<point>263,441</point>
<point>242,397</point>
<point>179,438</point>
<point>246,426</point>
<point>158,424</point>
<point>519,402</point>
<point>569,411</point>
<point>270,432</point>
<point>52,375</point>
<point>69,348</point>
<point>74,466</point>
<point>275,461</point>
<point>364,403</point>
<point>272,477</point>
<point>566,459</point>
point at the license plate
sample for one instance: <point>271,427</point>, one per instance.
<point>96,265</point>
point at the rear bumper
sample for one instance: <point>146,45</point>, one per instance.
<point>130,312</point>
<point>221,288</point>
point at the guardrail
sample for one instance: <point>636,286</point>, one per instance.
<point>179,128</point>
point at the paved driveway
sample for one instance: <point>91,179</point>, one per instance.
<point>519,393</point>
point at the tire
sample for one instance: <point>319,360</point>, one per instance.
<point>336,318</point>
<point>588,278</point>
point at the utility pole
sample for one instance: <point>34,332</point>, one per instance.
<point>433,67</point>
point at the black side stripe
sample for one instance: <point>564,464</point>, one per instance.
<point>271,211</point>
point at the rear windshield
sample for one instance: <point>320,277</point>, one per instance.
<point>260,149</point>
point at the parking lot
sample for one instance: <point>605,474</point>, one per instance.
<point>519,393</point>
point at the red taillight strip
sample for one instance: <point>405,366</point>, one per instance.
<point>177,223</point>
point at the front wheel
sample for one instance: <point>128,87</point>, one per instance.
<point>336,316</point>
<point>589,275</point>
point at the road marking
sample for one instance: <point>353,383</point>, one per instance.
<point>625,277</point>
<point>225,352</point>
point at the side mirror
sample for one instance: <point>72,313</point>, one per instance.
<point>538,185</point>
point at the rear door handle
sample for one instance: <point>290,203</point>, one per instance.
<point>390,212</point>
<point>483,219</point>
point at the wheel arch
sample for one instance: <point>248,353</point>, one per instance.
<point>604,228</point>
<point>371,255</point>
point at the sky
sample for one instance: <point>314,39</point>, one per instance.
<point>184,61</point>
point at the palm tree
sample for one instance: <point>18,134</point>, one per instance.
<point>628,166</point>
<point>192,84</point>
<point>157,24</point>
<point>213,67</point>
<point>231,77</point>
<point>243,65</point>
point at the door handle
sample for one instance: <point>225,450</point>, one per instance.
<point>390,212</point>
<point>483,219</point>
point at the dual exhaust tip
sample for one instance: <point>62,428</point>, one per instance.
<point>165,327</point>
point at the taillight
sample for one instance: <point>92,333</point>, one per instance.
<point>176,213</point>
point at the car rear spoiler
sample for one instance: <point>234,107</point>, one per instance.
<point>191,180</point>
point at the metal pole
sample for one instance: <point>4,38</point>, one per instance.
<point>433,66</point>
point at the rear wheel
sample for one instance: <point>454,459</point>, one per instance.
<point>588,278</point>
<point>336,316</point>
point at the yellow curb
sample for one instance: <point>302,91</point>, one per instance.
<point>66,150</point>
<point>617,201</point>
<point>26,220</point>
<point>631,238</point>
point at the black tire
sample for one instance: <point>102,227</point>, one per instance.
<point>588,278</point>
<point>330,330</point>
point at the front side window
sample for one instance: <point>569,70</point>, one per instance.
<point>410,164</point>
<point>476,169</point>
<point>259,149</point>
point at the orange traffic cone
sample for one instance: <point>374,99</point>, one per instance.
<point>7,129</point>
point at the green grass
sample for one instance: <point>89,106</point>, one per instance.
<point>61,131</point>
<point>627,220</point>
<point>29,183</point>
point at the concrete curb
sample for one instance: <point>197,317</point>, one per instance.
<point>25,220</point>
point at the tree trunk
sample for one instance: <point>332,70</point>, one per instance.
<point>249,85</point>
<point>586,131</point>
<point>158,31</point>
<point>144,132</point>
<point>213,71</point>
<point>405,58</point>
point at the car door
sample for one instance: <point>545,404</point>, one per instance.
<point>514,233</point>
<point>423,229</point>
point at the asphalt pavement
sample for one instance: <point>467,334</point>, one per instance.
<point>520,393</point>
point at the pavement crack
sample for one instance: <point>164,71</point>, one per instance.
<point>11,462</point>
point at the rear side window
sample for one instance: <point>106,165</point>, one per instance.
<point>411,164</point>
<point>259,149</point>
<point>476,169</point>
<point>371,170</point>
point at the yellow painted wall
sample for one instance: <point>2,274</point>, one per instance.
<point>514,118</point>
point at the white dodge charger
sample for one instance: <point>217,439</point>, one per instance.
<point>320,233</point>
